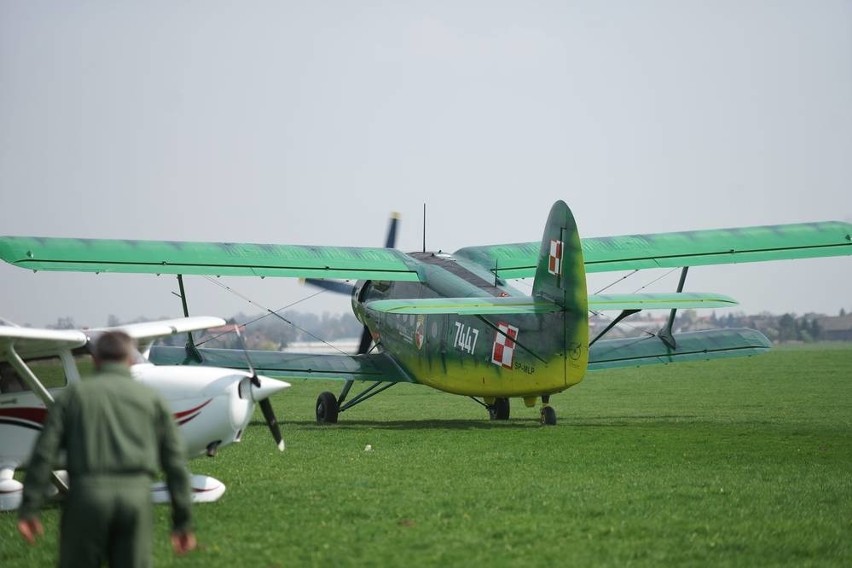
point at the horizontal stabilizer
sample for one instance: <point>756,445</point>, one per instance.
<point>487,305</point>
<point>685,300</point>
<point>373,367</point>
<point>529,305</point>
<point>691,346</point>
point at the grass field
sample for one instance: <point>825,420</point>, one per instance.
<point>733,463</point>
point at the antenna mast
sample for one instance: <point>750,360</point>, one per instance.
<point>424,227</point>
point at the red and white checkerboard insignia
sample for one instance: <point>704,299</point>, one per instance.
<point>419,331</point>
<point>503,352</point>
<point>554,261</point>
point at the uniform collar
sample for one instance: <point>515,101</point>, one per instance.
<point>115,369</point>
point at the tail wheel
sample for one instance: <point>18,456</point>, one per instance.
<point>499,410</point>
<point>548,416</point>
<point>327,408</point>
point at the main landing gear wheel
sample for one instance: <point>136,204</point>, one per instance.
<point>327,408</point>
<point>499,410</point>
<point>548,416</point>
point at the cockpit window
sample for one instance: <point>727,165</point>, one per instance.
<point>375,290</point>
<point>85,364</point>
<point>450,264</point>
<point>49,370</point>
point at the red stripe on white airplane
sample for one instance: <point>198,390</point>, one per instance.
<point>180,415</point>
<point>185,420</point>
<point>34,415</point>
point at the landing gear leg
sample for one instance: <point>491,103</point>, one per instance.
<point>499,410</point>
<point>327,408</point>
<point>548,414</point>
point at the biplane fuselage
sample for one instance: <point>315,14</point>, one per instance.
<point>496,355</point>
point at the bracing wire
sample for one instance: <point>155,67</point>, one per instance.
<point>625,277</point>
<point>626,323</point>
<point>269,312</point>
<point>655,280</point>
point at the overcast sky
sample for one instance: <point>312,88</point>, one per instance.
<point>309,122</point>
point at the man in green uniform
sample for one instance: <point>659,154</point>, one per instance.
<point>116,433</point>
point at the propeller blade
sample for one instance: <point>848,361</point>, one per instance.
<point>272,422</point>
<point>260,393</point>
<point>255,380</point>
<point>366,339</point>
<point>335,286</point>
<point>390,240</point>
<point>339,287</point>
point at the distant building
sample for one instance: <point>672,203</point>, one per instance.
<point>338,347</point>
<point>837,328</point>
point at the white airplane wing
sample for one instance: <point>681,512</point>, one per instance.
<point>145,333</point>
<point>163,328</point>
<point>29,342</point>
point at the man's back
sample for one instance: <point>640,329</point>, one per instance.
<point>116,434</point>
<point>113,424</point>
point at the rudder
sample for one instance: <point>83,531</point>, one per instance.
<point>560,277</point>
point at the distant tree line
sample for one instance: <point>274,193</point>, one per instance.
<point>277,331</point>
<point>777,328</point>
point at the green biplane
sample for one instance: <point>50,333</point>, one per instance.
<point>453,322</point>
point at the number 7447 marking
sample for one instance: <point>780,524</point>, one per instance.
<point>466,337</point>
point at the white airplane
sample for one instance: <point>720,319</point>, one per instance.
<point>211,405</point>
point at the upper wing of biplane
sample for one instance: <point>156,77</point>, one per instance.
<point>673,250</point>
<point>220,259</point>
<point>519,260</point>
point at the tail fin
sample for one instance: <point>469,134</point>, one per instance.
<point>560,277</point>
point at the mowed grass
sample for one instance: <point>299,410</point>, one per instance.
<point>740,462</point>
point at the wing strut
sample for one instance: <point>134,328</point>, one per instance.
<point>192,353</point>
<point>28,376</point>
<point>665,334</point>
<point>613,323</point>
<point>366,394</point>
<point>32,381</point>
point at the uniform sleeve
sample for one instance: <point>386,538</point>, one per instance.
<point>44,455</point>
<point>173,463</point>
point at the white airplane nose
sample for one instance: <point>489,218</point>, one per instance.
<point>267,388</point>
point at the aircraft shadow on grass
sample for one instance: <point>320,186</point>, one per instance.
<point>421,424</point>
<point>517,424</point>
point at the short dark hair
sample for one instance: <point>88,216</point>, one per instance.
<point>114,346</point>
